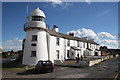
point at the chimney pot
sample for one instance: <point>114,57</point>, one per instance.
<point>71,34</point>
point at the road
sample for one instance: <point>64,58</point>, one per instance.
<point>104,69</point>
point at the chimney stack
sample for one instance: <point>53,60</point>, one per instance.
<point>71,34</point>
<point>48,27</point>
<point>55,28</point>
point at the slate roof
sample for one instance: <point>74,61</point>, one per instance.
<point>54,33</point>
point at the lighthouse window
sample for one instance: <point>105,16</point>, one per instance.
<point>57,41</point>
<point>33,44</point>
<point>34,37</point>
<point>33,54</point>
<point>37,18</point>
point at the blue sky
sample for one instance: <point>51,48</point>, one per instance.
<point>97,18</point>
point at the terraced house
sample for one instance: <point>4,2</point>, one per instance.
<point>44,44</point>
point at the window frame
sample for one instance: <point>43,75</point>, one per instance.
<point>57,41</point>
<point>33,44</point>
<point>34,38</point>
<point>68,53</point>
<point>58,54</point>
<point>37,18</point>
<point>84,44</point>
<point>33,54</point>
<point>78,43</point>
<point>68,42</point>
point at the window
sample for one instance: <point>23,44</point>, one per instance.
<point>72,53</point>
<point>83,44</point>
<point>33,44</point>
<point>68,55</point>
<point>68,43</point>
<point>78,44</point>
<point>87,45</point>
<point>37,18</point>
<point>34,37</point>
<point>57,41</point>
<point>57,54</point>
<point>96,46</point>
<point>33,54</point>
<point>84,53</point>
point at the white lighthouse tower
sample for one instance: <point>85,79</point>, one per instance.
<point>35,45</point>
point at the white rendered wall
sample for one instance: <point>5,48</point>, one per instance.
<point>53,48</point>
<point>40,48</point>
<point>60,47</point>
<point>37,24</point>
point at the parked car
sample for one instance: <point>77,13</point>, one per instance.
<point>12,59</point>
<point>44,66</point>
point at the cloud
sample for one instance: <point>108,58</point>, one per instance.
<point>88,1</point>
<point>85,33</point>
<point>14,44</point>
<point>103,13</point>
<point>106,35</point>
<point>0,45</point>
<point>103,38</point>
<point>118,43</point>
<point>109,41</point>
<point>110,46</point>
<point>56,3</point>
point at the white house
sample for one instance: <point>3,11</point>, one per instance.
<point>44,44</point>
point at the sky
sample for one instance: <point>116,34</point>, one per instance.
<point>95,20</point>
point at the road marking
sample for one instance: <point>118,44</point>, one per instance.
<point>114,77</point>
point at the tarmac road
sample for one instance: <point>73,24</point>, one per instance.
<point>104,69</point>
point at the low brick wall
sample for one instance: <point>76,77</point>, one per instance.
<point>117,55</point>
<point>84,63</point>
<point>93,62</point>
<point>110,56</point>
<point>59,63</point>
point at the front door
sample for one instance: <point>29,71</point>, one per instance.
<point>96,54</point>
<point>72,55</point>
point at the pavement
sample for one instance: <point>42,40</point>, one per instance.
<point>104,70</point>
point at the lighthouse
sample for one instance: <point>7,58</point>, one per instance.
<point>35,45</point>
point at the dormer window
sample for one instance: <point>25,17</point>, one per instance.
<point>37,18</point>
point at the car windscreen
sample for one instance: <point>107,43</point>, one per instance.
<point>40,63</point>
<point>46,63</point>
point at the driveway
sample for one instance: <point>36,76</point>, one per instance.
<point>104,69</point>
